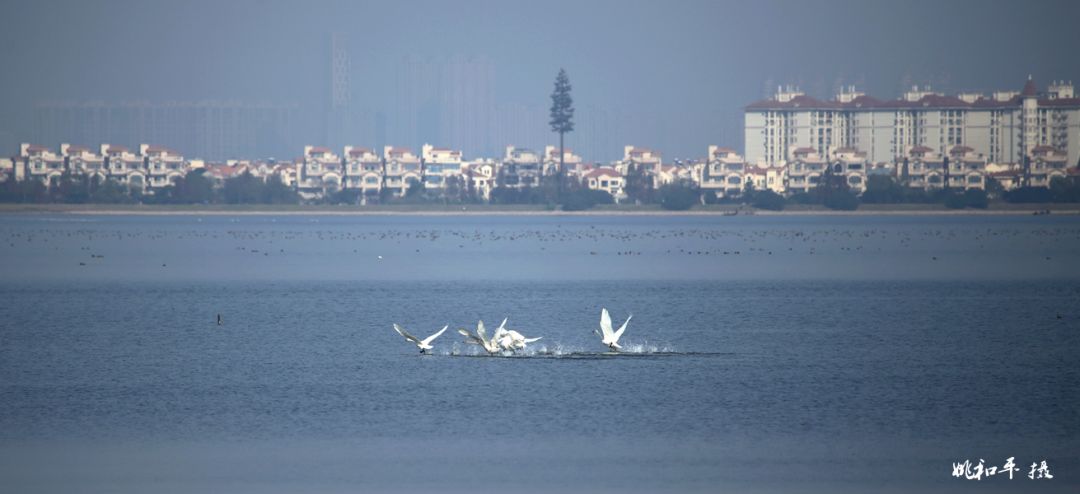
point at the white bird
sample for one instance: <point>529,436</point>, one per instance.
<point>508,339</point>
<point>609,337</point>
<point>424,344</point>
<point>480,338</point>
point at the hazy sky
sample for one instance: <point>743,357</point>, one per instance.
<point>684,67</point>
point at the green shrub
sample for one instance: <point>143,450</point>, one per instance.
<point>582,199</point>
<point>842,200</point>
<point>769,200</point>
<point>976,198</point>
<point>678,197</point>
<point>955,201</point>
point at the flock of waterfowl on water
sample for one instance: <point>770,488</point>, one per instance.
<point>508,341</point>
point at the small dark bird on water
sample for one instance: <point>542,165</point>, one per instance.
<point>219,320</point>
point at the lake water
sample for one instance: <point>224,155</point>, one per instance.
<point>765,354</point>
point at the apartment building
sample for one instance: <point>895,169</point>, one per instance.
<point>1004,126</point>
<point>519,169</point>
<point>363,171</point>
<point>551,160</point>
<point>163,166</point>
<point>805,170</point>
<point>320,172</point>
<point>851,164</point>
<point>480,177</point>
<point>1046,164</point>
<point>723,174</point>
<point>440,166</point>
<point>643,159</point>
<point>81,160</point>
<point>608,180</point>
<point>124,166</point>
<point>402,168</point>
<point>40,163</point>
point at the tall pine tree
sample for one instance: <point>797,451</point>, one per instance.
<point>562,118</point>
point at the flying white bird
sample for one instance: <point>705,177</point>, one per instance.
<point>508,339</point>
<point>425,344</point>
<point>609,337</point>
<point>480,338</point>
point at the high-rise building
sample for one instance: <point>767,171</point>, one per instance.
<point>1005,126</point>
<point>599,133</point>
<point>338,123</point>
<point>444,100</point>
<point>466,97</point>
<point>215,130</point>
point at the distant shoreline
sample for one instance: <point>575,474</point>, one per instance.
<point>539,210</point>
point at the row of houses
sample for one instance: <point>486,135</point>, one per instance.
<point>151,167</point>
<point>394,171</point>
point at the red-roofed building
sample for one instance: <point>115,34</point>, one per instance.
<point>925,169</point>
<point>1046,164</point>
<point>608,180</point>
<point>771,178</point>
<point>124,166</point>
<point>163,166</point>
<point>723,174</point>
<point>804,170</point>
<point>644,159</point>
<point>1002,128</point>
<point>320,173</point>
<point>82,160</point>
<point>363,171</point>
<point>402,169</point>
<point>850,163</point>
<point>967,168</point>
<point>218,173</point>
<point>40,163</point>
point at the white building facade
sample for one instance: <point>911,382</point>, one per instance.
<point>1003,127</point>
<point>441,167</point>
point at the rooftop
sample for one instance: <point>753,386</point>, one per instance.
<point>926,101</point>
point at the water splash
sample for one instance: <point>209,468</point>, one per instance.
<point>558,350</point>
<point>647,348</point>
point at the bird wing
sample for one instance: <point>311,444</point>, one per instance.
<point>530,340</point>
<point>618,334</point>
<point>401,331</point>
<point>605,324</point>
<point>429,339</point>
<point>480,331</point>
<point>469,338</point>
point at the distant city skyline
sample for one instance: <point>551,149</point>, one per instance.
<point>477,75</point>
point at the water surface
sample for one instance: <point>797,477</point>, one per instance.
<point>780,354</point>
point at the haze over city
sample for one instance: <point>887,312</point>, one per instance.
<point>477,75</point>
